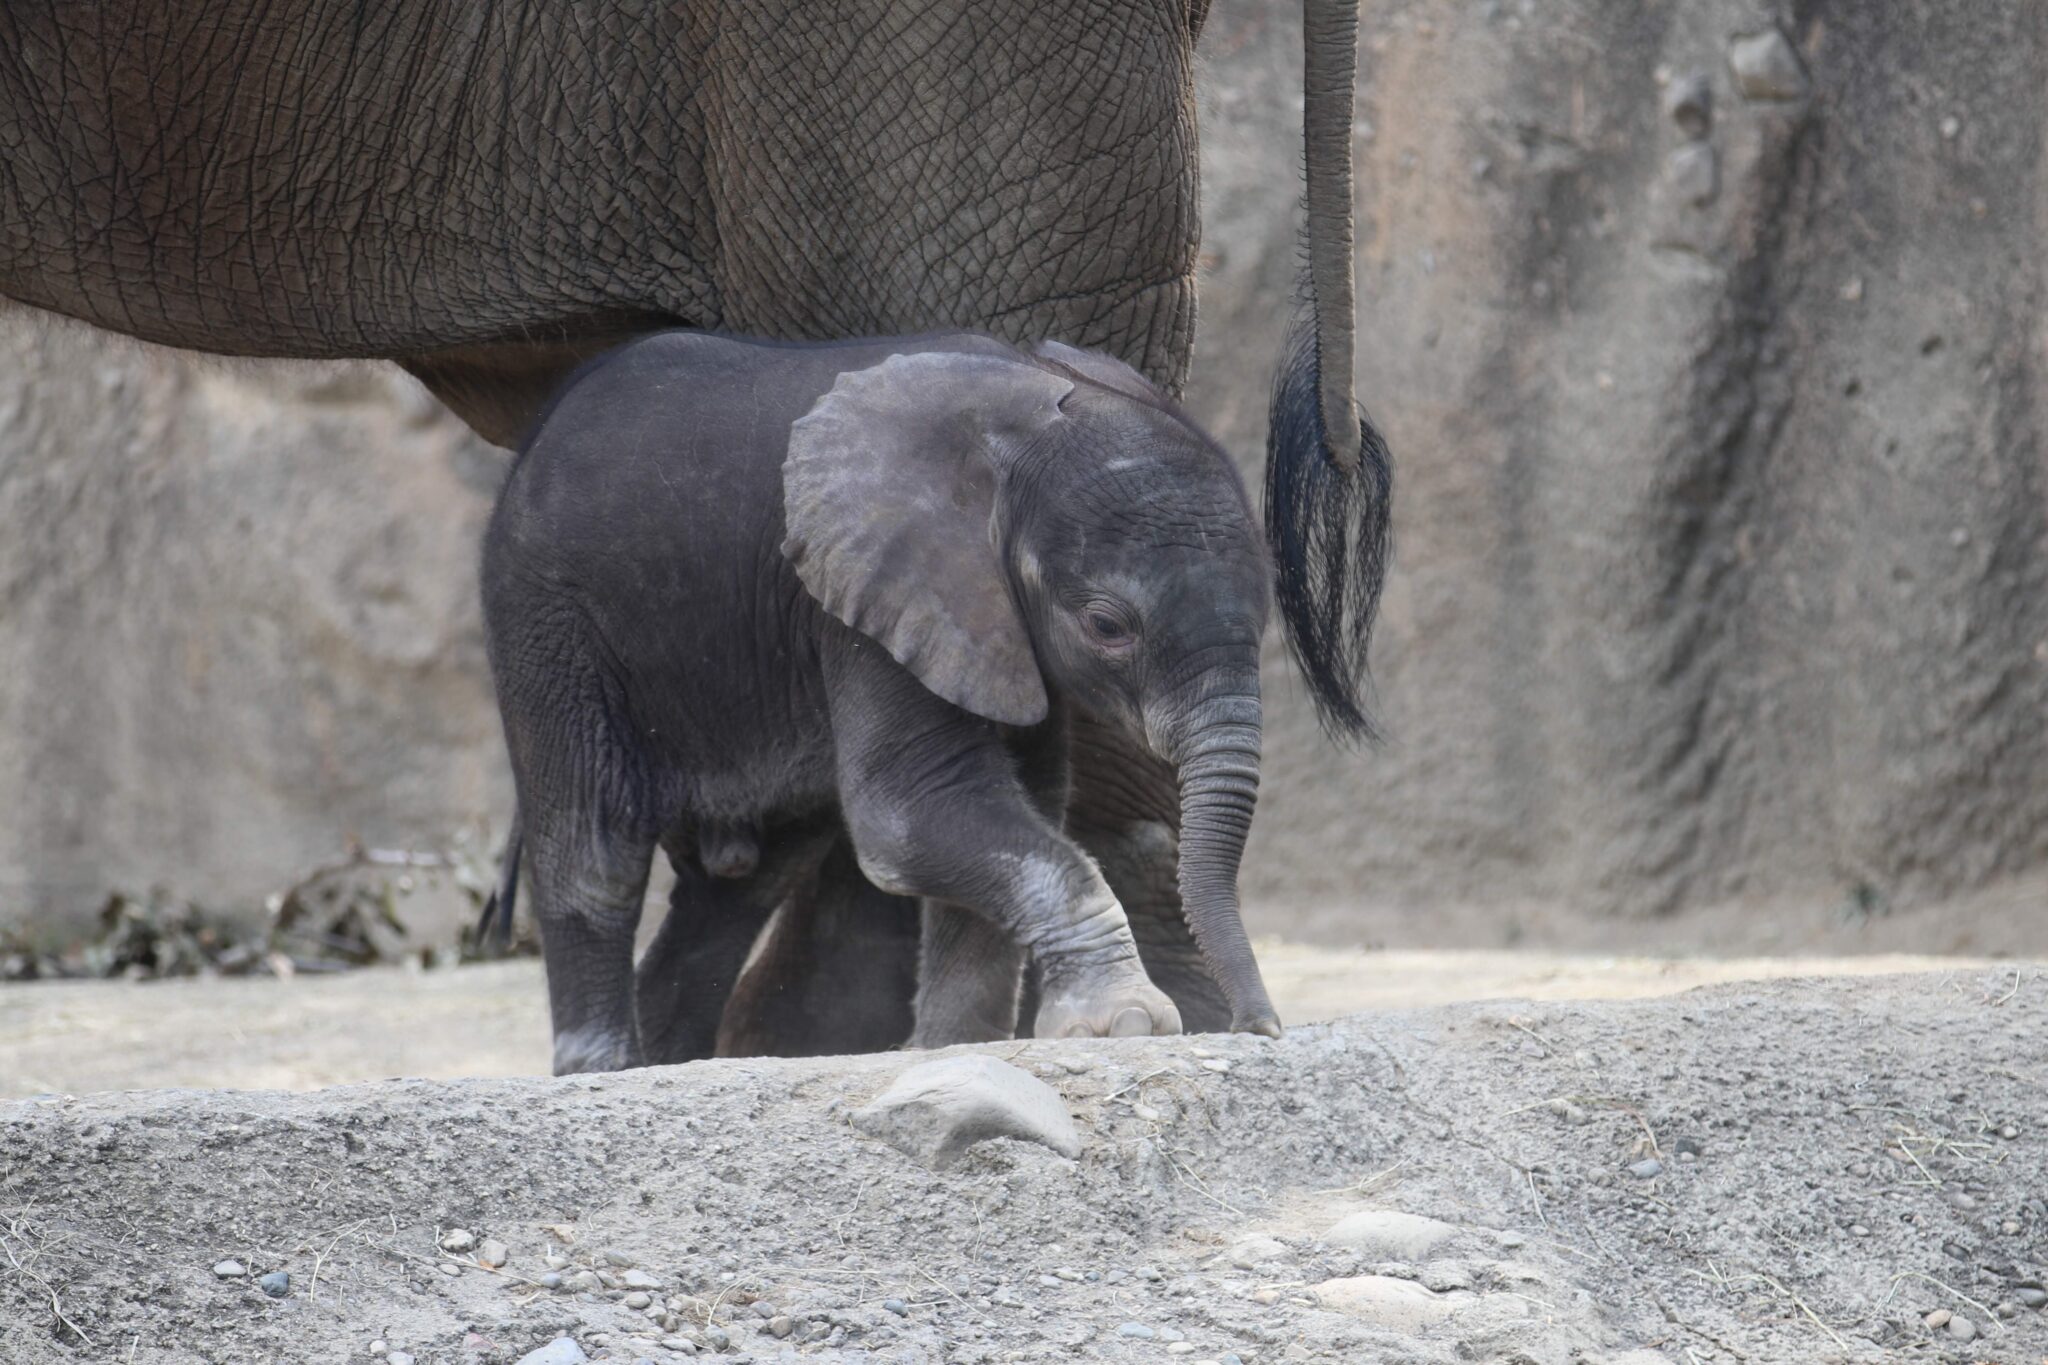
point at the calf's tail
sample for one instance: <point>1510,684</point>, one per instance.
<point>499,905</point>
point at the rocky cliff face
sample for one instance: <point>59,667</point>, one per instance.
<point>238,622</point>
<point>1711,340</point>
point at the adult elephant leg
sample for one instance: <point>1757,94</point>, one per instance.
<point>836,975</point>
<point>1125,811</point>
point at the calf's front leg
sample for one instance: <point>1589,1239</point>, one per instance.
<point>935,806</point>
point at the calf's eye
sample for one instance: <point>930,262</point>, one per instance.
<point>1108,629</point>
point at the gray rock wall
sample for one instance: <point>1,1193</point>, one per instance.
<point>1722,527</point>
<point>1720,530</point>
<point>238,622</point>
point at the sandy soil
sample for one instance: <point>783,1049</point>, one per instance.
<point>79,1037</point>
<point>1782,1171</point>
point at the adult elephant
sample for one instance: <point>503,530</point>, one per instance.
<point>490,193</point>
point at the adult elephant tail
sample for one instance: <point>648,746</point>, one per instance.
<point>1329,480</point>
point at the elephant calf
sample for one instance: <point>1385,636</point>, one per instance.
<point>746,599</point>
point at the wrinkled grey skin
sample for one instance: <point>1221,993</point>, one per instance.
<point>491,194</point>
<point>882,630</point>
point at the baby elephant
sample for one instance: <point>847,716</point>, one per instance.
<point>744,599</point>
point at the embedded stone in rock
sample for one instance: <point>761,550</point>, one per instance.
<point>1689,103</point>
<point>936,1111</point>
<point>1693,174</point>
<point>560,1351</point>
<point>1766,67</point>
<point>1386,1235</point>
<point>1401,1305</point>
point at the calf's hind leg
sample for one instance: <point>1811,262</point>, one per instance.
<point>588,878</point>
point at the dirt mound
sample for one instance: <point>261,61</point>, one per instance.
<point>1640,1182</point>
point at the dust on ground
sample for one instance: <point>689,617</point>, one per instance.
<point>1846,1169</point>
<point>491,1020</point>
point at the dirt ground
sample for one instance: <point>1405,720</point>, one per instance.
<point>84,1036</point>
<point>1793,1170</point>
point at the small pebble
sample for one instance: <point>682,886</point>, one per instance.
<point>551,1279</point>
<point>1649,1168</point>
<point>1180,1348</point>
<point>636,1300</point>
<point>763,1309</point>
<point>619,1259</point>
<point>2007,1131</point>
<point>398,1358</point>
<point>1070,1276</point>
<point>457,1239</point>
<point>1172,1334</point>
<point>2010,1228</point>
<point>230,1270</point>
<point>1253,1251</point>
<point>1961,1328</point>
<point>1137,1330</point>
<point>1445,1277</point>
<point>277,1284</point>
<point>494,1254</point>
<point>1512,1241</point>
<point>717,1338</point>
<point>680,1345</point>
<point>1049,1281</point>
<point>378,1348</point>
<point>585,1282</point>
<point>1858,1230</point>
<point>1266,1296</point>
<point>560,1351</point>
<point>450,1268</point>
<point>1151,1273</point>
<point>897,1306</point>
<point>639,1279</point>
<point>781,1325</point>
<point>1938,1318</point>
<point>1219,1065</point>
<point>2031,1296</point>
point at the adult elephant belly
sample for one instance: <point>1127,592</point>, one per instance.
<point>490,194</point>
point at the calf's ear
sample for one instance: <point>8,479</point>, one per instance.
<point>890,492</point>
<point>1102,369</point>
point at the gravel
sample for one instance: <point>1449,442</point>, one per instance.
<point>782,1205</point>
